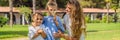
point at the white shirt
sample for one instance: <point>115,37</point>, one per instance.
<point>67,22</point>
<point>33,30</point>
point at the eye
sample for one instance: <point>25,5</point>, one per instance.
<point>37,18</point>
<point>50,9</point>
<point>41,19</point>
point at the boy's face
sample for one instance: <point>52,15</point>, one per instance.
<point>38,19</point>
<point>52,11</point>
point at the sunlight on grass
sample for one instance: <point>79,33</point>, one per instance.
<point>15,31</point>
<point>95,31</point>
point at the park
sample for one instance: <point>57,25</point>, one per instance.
<point>102,18</point>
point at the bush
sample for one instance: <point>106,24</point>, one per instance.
<point>3,21</point>
<point>104,19</point>
<point>87,19</point>
<point>111,19</point>
<point>95,21</point>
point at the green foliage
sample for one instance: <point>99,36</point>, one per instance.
<point>95,21</point>
<point>111,19</point>
<point>104,19</point>
<point>87,19</point>
<point>45,13</point>
<point>3,20</point>
<point>4,3</point>
<point>25,10</point>
<point>118,14</point>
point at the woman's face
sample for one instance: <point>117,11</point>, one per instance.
<point>68,8</point>
<point>52,11</point>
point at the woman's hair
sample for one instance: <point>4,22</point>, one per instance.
<point>51,3</point>
<point>77,18</point>
<point>36,15</point>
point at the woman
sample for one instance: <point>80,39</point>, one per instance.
<point>76,21</point>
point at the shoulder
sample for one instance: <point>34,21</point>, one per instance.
<point>30,26</point>
<point>42,25</point>
<point>58,17</point>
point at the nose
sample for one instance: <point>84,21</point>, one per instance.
<point>66,9</point>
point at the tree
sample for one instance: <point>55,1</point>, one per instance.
<point>11,10</point>
<point>108,7</point>
<point>4,3</point>
<point>25,11</point>
<point>115,6</point>
<point>34,5</point>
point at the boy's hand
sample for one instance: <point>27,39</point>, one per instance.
<point>54,18</point>
<point>39,31</point>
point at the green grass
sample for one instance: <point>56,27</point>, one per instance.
<point>102,31</point>
<point>95,31</point>
<point>15,31</point>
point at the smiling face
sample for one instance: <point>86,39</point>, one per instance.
<point>68,8</point>
<point>37,19</point>
<point>52,10</point>
<point>51,7</point>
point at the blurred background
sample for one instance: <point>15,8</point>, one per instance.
<point>102,17</point>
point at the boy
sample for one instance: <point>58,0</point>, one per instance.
<point>53,21</point>
<point>37,30</point>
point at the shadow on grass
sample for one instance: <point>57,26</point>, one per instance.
<point>10,34</point>
<point>92,31</point>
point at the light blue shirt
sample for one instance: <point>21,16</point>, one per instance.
<point>33,30</point>
<point>49,22</point>
<point>49,34</point>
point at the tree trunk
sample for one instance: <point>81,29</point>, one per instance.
<point>108,7</point>
<point>34,4</point>
<point>115,16</point>
<point>11,10</point>
<point>23,19</point>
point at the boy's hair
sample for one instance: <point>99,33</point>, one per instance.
<point>51,3</point>
<point>39,14</point>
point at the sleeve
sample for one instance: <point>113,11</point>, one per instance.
<point>44,20</point>
<point>60,26</point>
<point>64,18</point>
<point>30,33</point>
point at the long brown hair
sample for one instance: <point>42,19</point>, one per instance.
<point>77,18</point>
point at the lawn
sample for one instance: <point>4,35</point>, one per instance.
<point>95,31</point>
<point>15,31</point>
<point>103,31</point>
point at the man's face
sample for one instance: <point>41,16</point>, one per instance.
<point>52,11</point>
